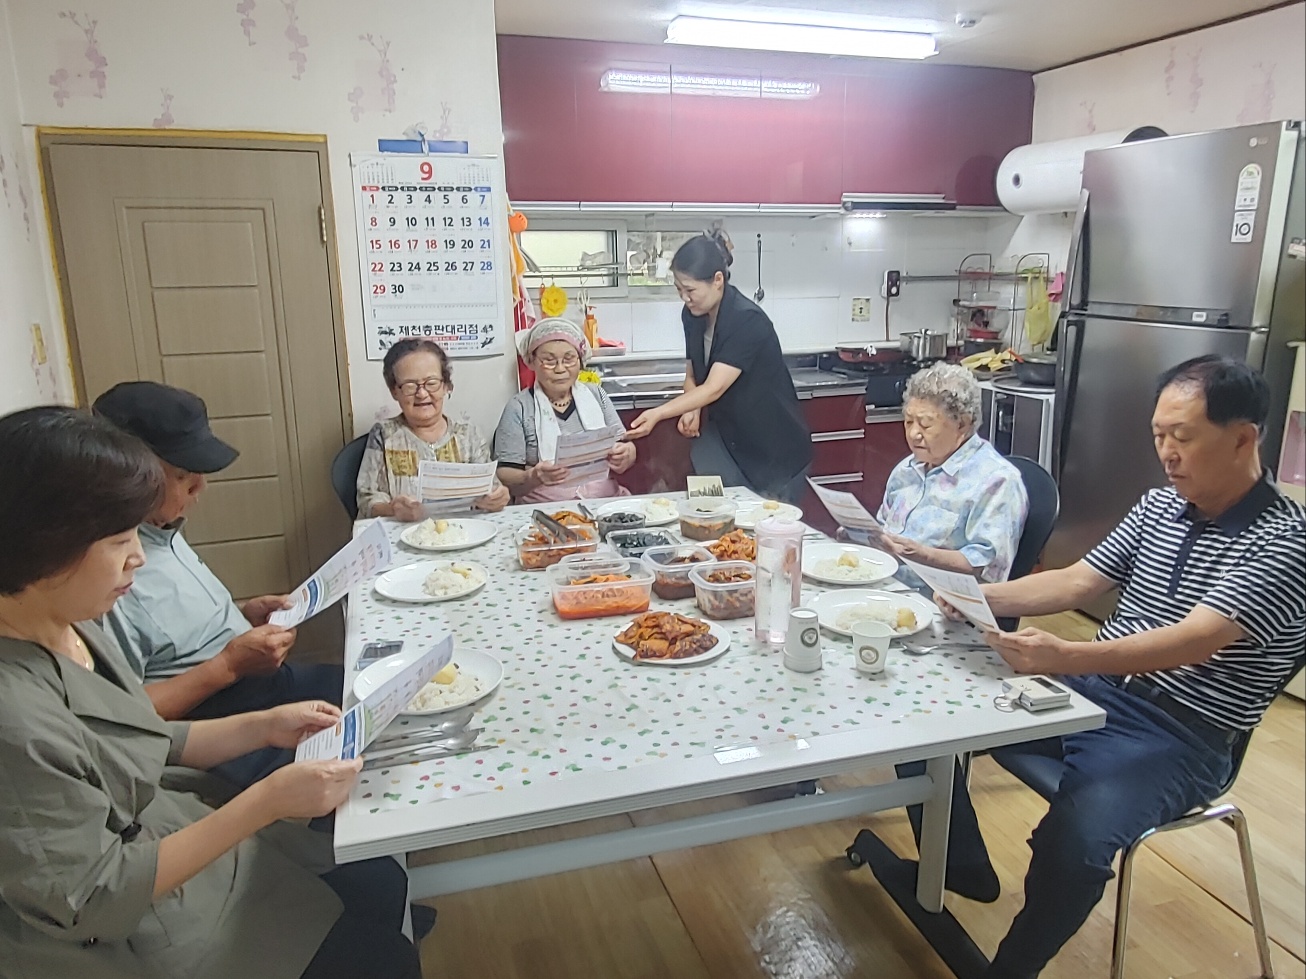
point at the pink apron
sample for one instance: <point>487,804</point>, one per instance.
<point>597,489</point>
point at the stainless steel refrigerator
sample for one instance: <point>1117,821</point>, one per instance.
<point>1183,245</point>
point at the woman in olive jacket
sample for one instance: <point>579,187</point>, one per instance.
<point>102,872</point>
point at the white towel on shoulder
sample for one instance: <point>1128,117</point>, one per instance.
<point>546,420</point>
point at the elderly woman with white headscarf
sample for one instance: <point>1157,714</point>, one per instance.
<point>526,441</point>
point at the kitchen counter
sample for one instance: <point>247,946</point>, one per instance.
<point>650,390</point>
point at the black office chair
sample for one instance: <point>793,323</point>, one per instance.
<point>344,474</point>
<point>1044,507</point>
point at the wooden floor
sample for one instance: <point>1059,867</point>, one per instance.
<point>788,906</point>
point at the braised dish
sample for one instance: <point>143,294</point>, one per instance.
<point>670,568</point>
<point>724,591</point>
<point>734,546</point>
<point>667,635</point>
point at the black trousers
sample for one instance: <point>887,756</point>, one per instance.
<point>367,940</point>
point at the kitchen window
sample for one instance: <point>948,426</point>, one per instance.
<point>590,258</point>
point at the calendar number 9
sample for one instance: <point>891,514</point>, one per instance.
<point>426,170</point>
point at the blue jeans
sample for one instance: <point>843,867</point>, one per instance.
<point>1141,769</point>
<point>307,681</point>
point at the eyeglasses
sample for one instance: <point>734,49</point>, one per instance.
<point>551,363</point>
<point>433,385</point>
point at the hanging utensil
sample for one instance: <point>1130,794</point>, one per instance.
<point>761,293</point>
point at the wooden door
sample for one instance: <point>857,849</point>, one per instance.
<point>206,268</point>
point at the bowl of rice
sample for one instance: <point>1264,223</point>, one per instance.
<point>476,676</point>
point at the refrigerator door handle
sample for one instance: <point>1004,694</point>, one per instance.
<point>1075,269</point>
<point>1069,346</point>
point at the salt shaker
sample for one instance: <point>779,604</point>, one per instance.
<point>779,577</point>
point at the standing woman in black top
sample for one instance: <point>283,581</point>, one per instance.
<point>753,433</point>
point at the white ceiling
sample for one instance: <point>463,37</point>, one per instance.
<point>1025,34</point>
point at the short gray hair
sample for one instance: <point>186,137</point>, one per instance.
<point>949,386</point>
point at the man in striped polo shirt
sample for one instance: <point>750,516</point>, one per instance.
<point>1211,624</point>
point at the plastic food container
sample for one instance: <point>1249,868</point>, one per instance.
<point>619,520</point>
<point>633,543</point>
<point>706,517</point>
<point>670,567</point>
<point>724,599</point>
<point>535,551</point>
<point>583,588</point>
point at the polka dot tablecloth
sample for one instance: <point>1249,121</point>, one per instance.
<point>569,704</point>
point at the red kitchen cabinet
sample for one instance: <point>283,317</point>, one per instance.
<point>661,459</point>
<point>837,425</point>
<point>884,447</point>
<point>873,127</point>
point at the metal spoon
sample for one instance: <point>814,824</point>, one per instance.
<point>452,742</point>
<point>450,723</point>
<point>422,754</point>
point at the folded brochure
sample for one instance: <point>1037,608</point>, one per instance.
<point>450,486</point>
<point>846,509</point>
<point>360,725</point>
<point>585,454</point>
<point>961,591</point>
<point>351,565</point>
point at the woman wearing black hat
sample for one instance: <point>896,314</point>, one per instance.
<point>754,433</point>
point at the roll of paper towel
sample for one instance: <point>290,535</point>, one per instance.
<point>1044,177</point>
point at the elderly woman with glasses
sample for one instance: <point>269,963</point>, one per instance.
<point>954,503</point>
<point>526,441</point>
<point>419,377</point>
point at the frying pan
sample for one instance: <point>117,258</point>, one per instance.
<point>868,353</point>
<point>1037,369</point>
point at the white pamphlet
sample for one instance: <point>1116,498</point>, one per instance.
<point>359,725</point>
<point>349,566</point>
<point>585,454</point>
<point>961,591</point>
<point>450,486</point>
<point>846,509</point>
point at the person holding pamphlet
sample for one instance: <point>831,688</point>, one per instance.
<point>420,379</point>
<point>558,411</point>
<point>1210,626</point>
<point>103,872</point>
<point>954,503</point>
<point>199,652</point>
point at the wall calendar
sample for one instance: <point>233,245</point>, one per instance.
<point>429,239</point>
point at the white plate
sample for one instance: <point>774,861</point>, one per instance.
<point>478,532</point>
<point>874,565</point>
<point>830,604</point>
<point>483,666</point>
<point>406,584</point>
<point>634,504</point>
<point>750,513</point>
<point>722,644</point>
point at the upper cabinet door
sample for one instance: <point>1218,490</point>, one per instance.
<point>537,92</point>
<point>765,150</point>
<point>867,126</point>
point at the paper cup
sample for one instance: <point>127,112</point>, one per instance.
<point>871,646</point>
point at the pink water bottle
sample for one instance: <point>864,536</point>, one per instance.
<point>779,577</point>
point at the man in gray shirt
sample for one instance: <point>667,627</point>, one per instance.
<point>199,653</point>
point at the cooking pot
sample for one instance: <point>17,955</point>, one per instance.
<point>867,353</point>
<point>1037,369</point>
<point>924,344</point>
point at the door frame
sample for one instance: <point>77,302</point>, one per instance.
<point>47,136</point>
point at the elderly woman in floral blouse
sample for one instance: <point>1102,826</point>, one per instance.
<point>419,377</point>
<point>954,503</point>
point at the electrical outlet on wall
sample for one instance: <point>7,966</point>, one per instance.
<point>861,310</point>
<point>891,287</point>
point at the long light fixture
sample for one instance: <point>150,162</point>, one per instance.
<point>808,38</point>
<point>685,83</point>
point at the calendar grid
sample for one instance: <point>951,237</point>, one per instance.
<point>428,241</point>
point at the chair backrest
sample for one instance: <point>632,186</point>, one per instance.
<point>344,474</point>
<point>1044,506</point>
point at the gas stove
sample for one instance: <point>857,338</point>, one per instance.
<point>885,383</point>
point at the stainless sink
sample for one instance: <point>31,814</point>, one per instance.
<point>622,386</point>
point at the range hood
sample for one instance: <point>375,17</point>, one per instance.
<point>890,203</point>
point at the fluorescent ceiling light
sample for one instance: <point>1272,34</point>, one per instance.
<point>808,38</point>
<point>685,83</point>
